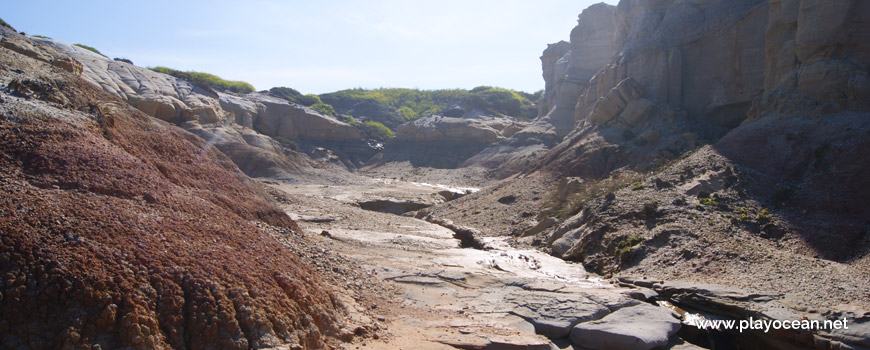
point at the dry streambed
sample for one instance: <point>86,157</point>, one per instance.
<point>443,296</point>
<point>450,297</point>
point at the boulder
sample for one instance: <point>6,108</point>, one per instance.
<point>616,101</point>
<point>636,112</point>
<point>640,327</point>
<point>553,314</point>
<point>296,122</point>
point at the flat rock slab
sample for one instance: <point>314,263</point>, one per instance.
<point>642,327</point>
<point>553,314</point>
<point>496,342</point>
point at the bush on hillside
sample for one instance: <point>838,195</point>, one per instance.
<point>377,130</point>
<point>91,49</point>
<point>412,103</point>
<point>308,100</point>
<point>289,94</point>
<point>208,80</point>
<point>323,108</point>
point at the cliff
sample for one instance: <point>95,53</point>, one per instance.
<point>717,134</point>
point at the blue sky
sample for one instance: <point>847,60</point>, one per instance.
<point>321,46</point>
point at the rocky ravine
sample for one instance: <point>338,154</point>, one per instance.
<point>676,150</point>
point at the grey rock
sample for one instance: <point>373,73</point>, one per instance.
<point>637,327</point>
<point>553,314</point>
<point>636,112</point>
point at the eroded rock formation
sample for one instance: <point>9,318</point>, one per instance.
<point>122,231</point>
<point>196,107</point>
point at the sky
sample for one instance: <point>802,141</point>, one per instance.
<point>318,46</point>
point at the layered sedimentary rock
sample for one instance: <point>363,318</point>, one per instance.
<point>445,142</point>
<point>122,231</point>
<point>182,102</point>
<point>567,69</point>
<point>568,76</point>
<point>704,58</point>
<point>816,57</point>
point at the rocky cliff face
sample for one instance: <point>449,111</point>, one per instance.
<point>568,68</point>
<point>122,231</point>
<point>718,134</point>
<point>816,57</point>
<point>446,142</point>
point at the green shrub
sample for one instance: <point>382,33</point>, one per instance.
<point>626,243</point>
<point>637,187</point>
<point>3,23</point>
<point>289,94</point>
<point>323,108</point>
<point>91,49</point>
<point>377,130</point>
<point>347,119</point>
<point>408,113</point>
<point>308,100</point>
<point>207,80</point>
<point>708,201</point>
<point>763,215</point>
<point>123,60</point>
<point>39,36</point>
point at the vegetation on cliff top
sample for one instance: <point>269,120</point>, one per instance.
<point>309,100</point>
<point>413,103</point>
<point>208,80</point>
<point>91,49</point>
<point>376,130</point>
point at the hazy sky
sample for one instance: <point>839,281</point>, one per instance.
<point>318,46</point>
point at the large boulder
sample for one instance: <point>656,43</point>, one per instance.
<point>297,122</point>
<point>158,95</point>
<point>639,327</point>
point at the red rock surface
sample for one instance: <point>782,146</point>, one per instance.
<point>118,230</point>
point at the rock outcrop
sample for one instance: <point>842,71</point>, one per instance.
<point>816,58</point>
<point>181,102</point>
<point>446,142</point>
<point>122,231</point>
<point>568,77</point>
<point>641,327</point>
<point>676,53</point>
<point>567,69</point>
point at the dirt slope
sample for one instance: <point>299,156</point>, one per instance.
<point>119,230</point>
